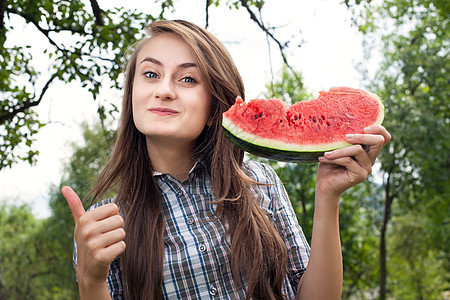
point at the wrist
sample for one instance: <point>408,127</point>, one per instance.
<point>88,282</point>
<point>326,201</point>
<point>95,290</point>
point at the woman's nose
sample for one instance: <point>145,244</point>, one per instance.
<point>165,90</point>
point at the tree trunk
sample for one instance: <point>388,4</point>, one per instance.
<point>387,213</point>
<point>383,272</point>
<point>2,14</point>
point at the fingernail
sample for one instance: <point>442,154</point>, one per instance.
<point>368,129</point>
<point>349,136</point>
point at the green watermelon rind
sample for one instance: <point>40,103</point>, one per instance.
<point>271,153</point>
<point>281,151</point>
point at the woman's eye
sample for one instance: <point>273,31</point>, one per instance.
<point>188,80</point>
<point>150,74</point>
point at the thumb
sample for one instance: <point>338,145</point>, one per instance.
<point>76,207</point>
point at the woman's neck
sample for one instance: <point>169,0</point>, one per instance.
<point>174,159</point>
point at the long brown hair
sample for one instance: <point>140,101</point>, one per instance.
<point>258,254</point>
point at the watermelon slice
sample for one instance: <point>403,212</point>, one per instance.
<point>305,130</point>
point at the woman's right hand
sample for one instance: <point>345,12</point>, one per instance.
<point>99,236</point>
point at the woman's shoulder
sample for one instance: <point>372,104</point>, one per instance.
<point>260,172</point>
<point>269,189</point>
<point>100,203</point>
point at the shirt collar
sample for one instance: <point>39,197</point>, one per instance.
<point>197,163</point>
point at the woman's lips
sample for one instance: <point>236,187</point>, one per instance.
<point>163,111</point>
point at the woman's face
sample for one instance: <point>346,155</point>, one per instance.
<point>171,103</point>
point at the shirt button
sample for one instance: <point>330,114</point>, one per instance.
<point>212,290</point>
<point>202,248</point>
<point>179,193</point>
<point>191,221</point>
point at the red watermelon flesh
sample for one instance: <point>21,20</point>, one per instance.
<point>304,130</point>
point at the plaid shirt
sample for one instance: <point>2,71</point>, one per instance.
<point>197,262</point>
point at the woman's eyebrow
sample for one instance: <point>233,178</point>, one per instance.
<point>188,65</point>
<point>157,62</point>
<point>152,60</point>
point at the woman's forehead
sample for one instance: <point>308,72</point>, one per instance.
<point>166,46</point>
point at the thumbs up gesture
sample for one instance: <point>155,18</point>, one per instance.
<point>99,236</point>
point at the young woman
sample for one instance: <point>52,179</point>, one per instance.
<point>191,220</point>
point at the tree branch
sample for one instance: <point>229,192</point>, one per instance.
<point>30,18</point>
<point>261,25</point>
<point>8,115</point>
<point>208,2</point>
<point>97,13</point>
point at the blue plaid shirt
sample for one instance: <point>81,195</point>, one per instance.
<point>197,262</point>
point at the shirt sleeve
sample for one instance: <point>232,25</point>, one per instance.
<point>275,201</point>
<point>114,280</point>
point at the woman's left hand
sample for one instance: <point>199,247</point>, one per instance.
<point>343,168</point>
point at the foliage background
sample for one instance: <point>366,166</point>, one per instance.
<point>394,226</point>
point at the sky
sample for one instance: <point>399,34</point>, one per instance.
<point>330,50</point>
